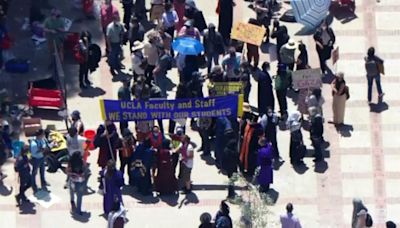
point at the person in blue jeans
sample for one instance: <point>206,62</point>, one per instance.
<point>115,33</point>
<point>38,147</point>
<point>77,183</point>
<point>373,66</point>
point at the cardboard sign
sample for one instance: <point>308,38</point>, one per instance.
<point>248,33</point>
<point>307,79</point>
<point>335,56</point>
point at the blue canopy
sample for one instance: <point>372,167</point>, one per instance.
<point>187,46</point>
<point>310,13</point>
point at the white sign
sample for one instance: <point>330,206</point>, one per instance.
<point>307,79</point>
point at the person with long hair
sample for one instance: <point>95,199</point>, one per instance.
<point>112,180</point>
<point>76,181</point>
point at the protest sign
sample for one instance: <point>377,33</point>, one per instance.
<point>248,33</point>
<point>307,79</point>
<point>116,110</point>
<point>223,88</point>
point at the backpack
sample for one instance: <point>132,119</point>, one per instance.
<point>371,67</point>
<point>368,220</point>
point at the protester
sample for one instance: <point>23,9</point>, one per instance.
<point>296,152</point>
<point>231,64</point>
<point>76,177</point>
<point>156,138</point>
<point>230,159</point>
<point>339,94</point>
<point>222,218</point>
<point>286,54</point>
<point>169,21</point>
<point>142,161</point>
<point>126,150</point>
<point>205,220</point>
<point>112,181</point>
<point>151,54</point>
<point>127,6</point>
<point>282,83</point>
<point>135,33</point>
<point>204,124</point>
<point>76,122</point>
<point>164,64</point>
<point>188,30</point>
<point>324,40</point>
<point>264,161</point>
<point>107,140</point>
<point>165,181</point>
<point>117,216</point>
<point>265,95</point>
<point>269,122</point>
<point>225,19</point>
<point>280,33</point>
<point>54,28</point>
<point>22,167</point>
<point>115,35</point>
<point>374,68</point>
<point>107,12</point>
<point>251,131</point>
<point>315,100</point>
<point>253,54</point>
<point>38,148</point>
<point>245,72</point>
<point>302,58</point>
<point>176,140</point>
<point>196,15</point>
<point>139,63</point>
<point>84,43</point>
<point>186,150</point>
<point>156,10</point>
<point>222,124</point>
<point>289,220</point>
<point>124,94</point>
<point>213,46</point>
<point>264,14</point>
<point>140,10</point>
<point>316,133</point>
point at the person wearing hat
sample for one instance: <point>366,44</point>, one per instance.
<point>136,32</point>
<point>38,147</point>
<point>340,94</point>
<point>324,41</point>
<point>188,30</point>
<point>139,62</point>
<point>76,122</point>
<point>286,54</point>
<point>213,46</point>
<point>54,26</point>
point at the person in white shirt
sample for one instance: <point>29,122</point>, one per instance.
<point>138,61</point>
<point>289,220</point>
<point>75,142</point>
<point>186,150</point>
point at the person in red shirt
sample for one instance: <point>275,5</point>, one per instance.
<point>107,12</point>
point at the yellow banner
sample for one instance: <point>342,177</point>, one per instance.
<point>222,88</point>
<point>248,33</point>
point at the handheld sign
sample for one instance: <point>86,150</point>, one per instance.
<point>307,79</point>
<point>248,33</point>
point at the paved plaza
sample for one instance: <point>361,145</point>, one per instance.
<point>362,160</point>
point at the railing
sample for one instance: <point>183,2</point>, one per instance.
<point>59,76</point>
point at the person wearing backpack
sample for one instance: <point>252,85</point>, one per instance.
<point>374,68</point>
<point>76,176</point>
<point>38,147</point>
<point>23,169</point>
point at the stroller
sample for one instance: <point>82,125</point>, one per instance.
<point>350,4</point>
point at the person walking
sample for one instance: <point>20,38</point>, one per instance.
<point>38,147</point>
<point>115,35</point>
<point>213,46</point>
<point>324,41</point>
<point>280,33</point>
<point>76,177</point>
<point>339,93</point>
<point>374,68</point>
<point>358,206</point>
<point>289,220</point>
<point>112,180</point>
<point>22,167</point>
<point>169,21</point>
<point>253,54</point>
<point>286,54</point>
<point>142,161</point>
<point>139,63</point>
<point>76,122</point>
<point>265,94</point>
<point>264,161</point>
<point>127,5</point>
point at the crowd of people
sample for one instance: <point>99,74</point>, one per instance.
<point>158,160</point>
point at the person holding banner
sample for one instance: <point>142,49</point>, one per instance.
<point>142,161</point>
<point>106,140</point>
<point>252,50</point>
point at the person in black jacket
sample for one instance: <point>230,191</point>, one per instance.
<point>213,46</point>
<point>316,133</point>
<point>279,32</point>
<point>24,172</point>
<point>193,13</point>
<point>265,95</point>
<point>230,158</point>
<point>324,40</point>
